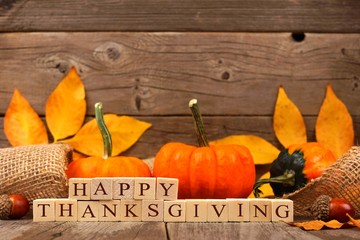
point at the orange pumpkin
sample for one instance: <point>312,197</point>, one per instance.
<point>224,171</point>
<point>118,166</point>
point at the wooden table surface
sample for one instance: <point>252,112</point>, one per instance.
<point>27,229</point>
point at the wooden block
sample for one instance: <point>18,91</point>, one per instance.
<point>196,210</point>
<point>123,188</point>
<point>174,211</point>
<point>88,211</point>
<point>217,210</point>
<point>167,188</point>
<point>152,210</point>
<point>239,209</point>
<point>44,210</point>
<point>79,188</point>
<point>282,210</point>
<point>109,211</point>
<point>260,210</point>
<point>101,189</point>
<point>65,210</point>
<point>145,188</point>
<point>130,210</point>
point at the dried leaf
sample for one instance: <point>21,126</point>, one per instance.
<point>66,107</point>
<point>265,188</point>
<point>261,150</point>
<point>124,131</point>
<point>334,126</point>
<point>289,125</point>
<point>354,221</point>
<point>318,225</point>
<point>22,125</point>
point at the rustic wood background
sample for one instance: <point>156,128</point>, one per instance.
<point>147,59</point>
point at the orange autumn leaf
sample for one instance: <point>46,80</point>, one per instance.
<point>354,221</point>
<point>66,107</point>
<point>124,131</point>
<point>289,125</point>
<point>261,150</point>
<point>334,126</point>
<point>22,125</point>
<point>318,225</point>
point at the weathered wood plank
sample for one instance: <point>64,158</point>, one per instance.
<point>27,229</point>
<point>246,230</point>
<point>158,73</point>
<point>183,15</point>
<point>181,129</point>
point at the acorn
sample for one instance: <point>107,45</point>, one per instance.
<point>326,208</point>
<point>13,206</point>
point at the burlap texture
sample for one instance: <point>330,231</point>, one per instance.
<point>342,180</point>
<point>5,206</point>
<point>35,171</point>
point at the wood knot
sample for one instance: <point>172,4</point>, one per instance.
<point>108,53</point>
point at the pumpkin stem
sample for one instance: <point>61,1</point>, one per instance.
<point>105,134</point>
<point>199,124</point>
<point>287,179</point>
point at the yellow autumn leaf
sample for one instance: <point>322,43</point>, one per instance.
<point>288,123</point>
<point>66,107</point>
<point>261,150</point>
<point>265,188</point>
<point>22,125</point>
<point>124,131</point>
<point>318,225</point>
<point>334,126</point>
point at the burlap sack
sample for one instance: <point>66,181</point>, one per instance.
<point>36,171</point>
<point>342,180</point>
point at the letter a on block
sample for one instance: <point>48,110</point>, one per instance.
<point>101,189</point>
<point>88,211</point>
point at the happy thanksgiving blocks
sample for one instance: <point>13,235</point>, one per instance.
<point>152,199</point>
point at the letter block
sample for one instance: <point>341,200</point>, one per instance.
<point>88,211</point>
<point>196,210</point>
<point>282,210</point>
<point>217,210</point>
<point>101,189</point>
<point>260,210</point>
<point>123,188</point>
<point>44,210</point>
<point>145,188</point>
<point>130,210</point>
<point>109,211</point>
<point>79,188</point>
<point>152,210</point>
<point>167,188</point>
<point>65,210</point>
<point>174,211</point>
<point>239,209</point>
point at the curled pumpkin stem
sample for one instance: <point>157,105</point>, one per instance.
<point>105,134</point>
<point>287,179</point>
<point>199,124</point>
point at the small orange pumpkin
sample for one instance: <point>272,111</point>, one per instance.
<point>117,166</point>
<point>223,171</point>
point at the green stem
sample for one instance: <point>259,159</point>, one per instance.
<point>287,179</point>
<point>105,134</point>
<point>199,124</point>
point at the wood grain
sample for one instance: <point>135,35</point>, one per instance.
<point>158,73</point>
<point>182,15</point>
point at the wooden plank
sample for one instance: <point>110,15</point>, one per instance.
<point>158,73</point>
<point>180,129</point>
<point>27,229</point>
<point>241,231</point>
<point>184,15</point>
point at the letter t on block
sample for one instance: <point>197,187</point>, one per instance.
<point>79,188</point>
<point>44,210</point>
